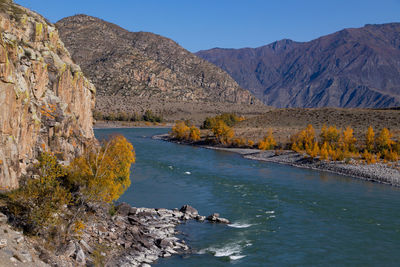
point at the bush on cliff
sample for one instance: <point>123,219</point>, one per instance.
<point>59,198</point>
<point>39,203</point>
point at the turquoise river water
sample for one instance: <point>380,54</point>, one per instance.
<point>281,215</point>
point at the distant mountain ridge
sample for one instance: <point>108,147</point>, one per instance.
<point>127,65</point>
<point>357,67</point>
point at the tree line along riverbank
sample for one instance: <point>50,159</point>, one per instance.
<point>329,148</point>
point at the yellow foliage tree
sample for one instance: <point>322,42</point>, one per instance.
<point>268,142</point>
<point>324,151</point>
<point>390,155</point>
<point>330,135</point>
<point>384,140</point>
<point>314,151</point>
<point>103,174</point>
<point>194,134</point>
<point>180,131</point>
<point>223,132</point>
<point>347,140</point>
<point>304,140</point>
<point>370,139</point>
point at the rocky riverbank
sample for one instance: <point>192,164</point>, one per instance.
<point>129,237</point>
<point>378,172</point>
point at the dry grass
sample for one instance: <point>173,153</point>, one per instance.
<point>286,122</point>
<point>172,110</point>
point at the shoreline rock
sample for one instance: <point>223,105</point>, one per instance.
<point>151,233</point>
<point>129,237</point>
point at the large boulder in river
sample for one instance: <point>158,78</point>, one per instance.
<point>215,218</point>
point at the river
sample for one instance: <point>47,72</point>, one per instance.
<point>280,215</point>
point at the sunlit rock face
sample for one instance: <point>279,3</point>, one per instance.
<point>45,100</point>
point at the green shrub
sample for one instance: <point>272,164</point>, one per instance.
<point>39,203</point>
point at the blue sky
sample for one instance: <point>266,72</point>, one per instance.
<point>205,24</point>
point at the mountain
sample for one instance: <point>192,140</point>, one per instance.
<point>129,68</point>
<point>45,100</point>
<point>357,67</point>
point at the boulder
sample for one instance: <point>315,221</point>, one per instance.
<point>215,218</point>
<point>80,257</point>
<point>124,209</point>
<point>3,218</point>
<point>189,210</point>
<point>70,249</point>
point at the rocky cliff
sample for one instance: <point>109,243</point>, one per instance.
<point>45,100</point>
<point>357,67</point>
<point>127,67</point>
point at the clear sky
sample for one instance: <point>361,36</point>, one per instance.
<point>204,24</point>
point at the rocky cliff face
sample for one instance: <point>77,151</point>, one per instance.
<point>142,65</point>
<point>45,100</point>
<point>351,68</point>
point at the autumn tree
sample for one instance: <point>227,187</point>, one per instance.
<point>304,140</point>
<point>103,173</point>
<point>384,140</point>
<point>268,142</point>
<point>370,139</point>
<point>330,135</point>
<point>324,151</point>
<point>180,131</point>
<point>223,132</point>
<point>314,151</point>
<point>194,134</point>
<point>347,140</point>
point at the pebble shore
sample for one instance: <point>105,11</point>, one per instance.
<point>378,172</point>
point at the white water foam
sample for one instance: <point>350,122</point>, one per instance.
<point>188,173</point>
<point>240,225</point>
<point>231,250</point>
<point>270,212</point>
<point>238,257</point>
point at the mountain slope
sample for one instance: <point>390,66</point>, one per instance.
<point>45,100</point>
<point>350,68</point>
<point>128,66</point>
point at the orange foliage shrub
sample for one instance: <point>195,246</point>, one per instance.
<point>239,142</point>
<point>268,142</point>
<point>369,157</point>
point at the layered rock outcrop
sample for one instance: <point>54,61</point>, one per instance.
<point>45,100</point>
